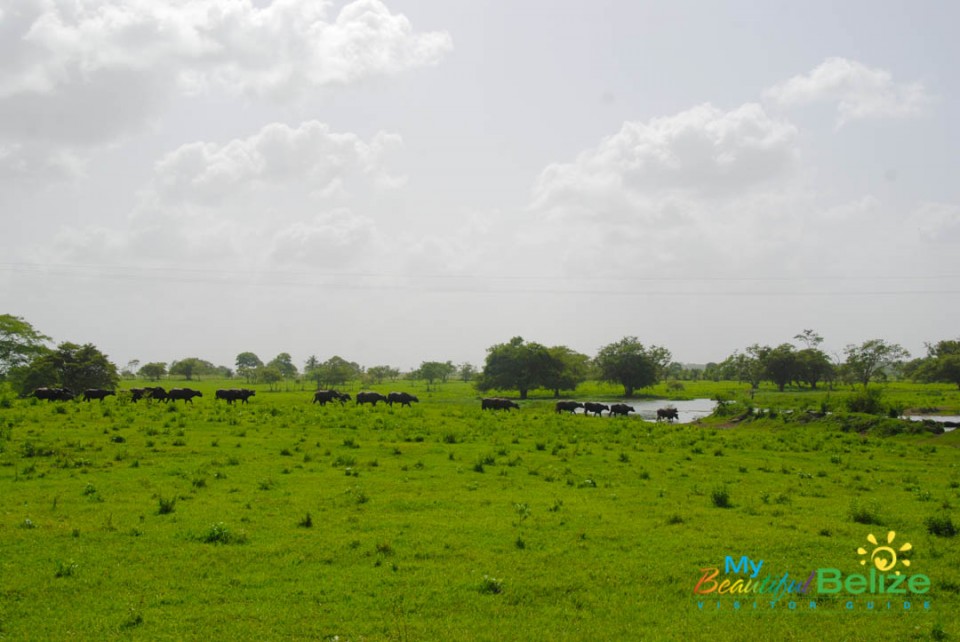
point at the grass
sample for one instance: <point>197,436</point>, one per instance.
<point>291,520</point>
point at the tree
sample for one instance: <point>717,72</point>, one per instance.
<point>515,365</point>
<point>377,374</point>
<point>872,359</point>
<point>813,366</point>
<point>466,372</point>
<point>268,374</point>
<point>433,370</point>
<point>809,338</point>
<point>780,365</point>
<point>745,366</point>
<point>19,343</point>
<point>284,363</point>
<point>942,363</point>
<point>630,364</point>
<point>192,366</point>
<point>247,362</point>
<point>568,370</point>
<point>69,366</point>
<point>152,371</point>
<point>335,371</point>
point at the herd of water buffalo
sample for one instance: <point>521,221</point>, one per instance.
<point>323,397</point>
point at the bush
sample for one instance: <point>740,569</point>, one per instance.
<point>219,534</point>
<point>868,401</point>
<point>720,497</point>
<point>491,585</point>
<point>941,526</point>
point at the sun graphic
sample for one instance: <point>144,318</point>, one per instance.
<point>884,557</point>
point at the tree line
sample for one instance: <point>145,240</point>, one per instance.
<point>28,362</point>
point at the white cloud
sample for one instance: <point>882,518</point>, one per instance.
<point>310,155</point>
<point>283,196</point>
<point>639,173</point>
<point>86,72</point>
<point>859,91</point>
<point>937,222</point>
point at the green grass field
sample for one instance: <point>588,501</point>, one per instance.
<point>282,519</point>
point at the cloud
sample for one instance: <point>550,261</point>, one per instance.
<point>859,91</point>
<point>278,155</point>
<point>641,172</point>
<point>81,74</point>
<point>283,196</point>
<point>937,222</point>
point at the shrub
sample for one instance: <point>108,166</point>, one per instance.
<point>865,513</point>
<point>867,400</point>
<point>720,497</point>
<point>306,522</point>
<point>219,534</point>
<point>491,585</point>
<point>167,505</point>
<point>941,526</point>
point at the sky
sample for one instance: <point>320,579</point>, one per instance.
<point>402,181</point>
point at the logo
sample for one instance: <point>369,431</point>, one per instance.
<point>884,557</point>
<point>744,585</point>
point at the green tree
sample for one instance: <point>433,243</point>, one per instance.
<point>632,365</point>
<point>466,372</point>
<point>515,365</point>
<point>568,370</point>
<point>377,374</point>
<point>813,366</point>
<point>19,343</point>
<point>70,366</point>
<point>942,363</point>
<point>247,362</point>
<point>434,370</point>
<point>284,363</point>
<point>152,371</point>
<point>872,359</point>
<point>192,367</point>
<point>269,374</point>
<point>780,365</point>
<point>745,366</point>
<point>335,371</point>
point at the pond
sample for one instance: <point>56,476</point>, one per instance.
<point>688,409</point>
<point>952,420</point>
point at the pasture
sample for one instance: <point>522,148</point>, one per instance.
<point>283,519</point>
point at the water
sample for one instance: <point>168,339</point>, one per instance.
<point>688,410</point>
<point>938,418</point>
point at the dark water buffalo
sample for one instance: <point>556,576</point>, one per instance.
<point>668,413</point>
<point>369,397</point>
<point>402,398</point>
<point>97,393</point>
<point>187,394</point>
<point>568,406</point>
<point>323,397</point>
<point>497,403</point>
<point>594,408</point>
<point>54,394</point>
<point>621,409</point>
<point>235,394</point>
<point>155,392</point>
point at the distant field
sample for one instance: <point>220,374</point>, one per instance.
<point>282,519</point>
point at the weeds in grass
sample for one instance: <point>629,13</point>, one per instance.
<point>219,533</point>
<point>306,522</point>
<point>167,505</point>
<point>720,496</point>
<point>865,513</point>
<point>491,585</point>
<point>65,569</point>
<point>940,525</point>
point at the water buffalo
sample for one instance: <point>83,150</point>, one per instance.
<point>156,392</point>
<point>96,393</point>
<point>369,397</point>
<point>402,398</point>
<point>595,408</point>
<point>322,397</point>
<point>497,403</point>
<point>54,394</point>
<point>568,406</point>
<point>670,413</point>
<point>187,394</point>
<point>621,409</point>
<point>235,394</point>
